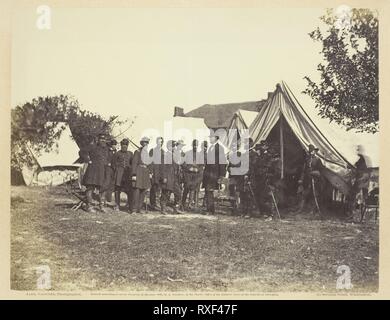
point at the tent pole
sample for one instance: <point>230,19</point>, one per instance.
<point>281,147</point>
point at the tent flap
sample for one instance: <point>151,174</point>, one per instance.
<point>282,103</point>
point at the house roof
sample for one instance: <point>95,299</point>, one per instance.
<point>220,115</point>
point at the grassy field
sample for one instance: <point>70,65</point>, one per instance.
<point>119,251</point>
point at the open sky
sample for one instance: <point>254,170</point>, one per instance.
<point>143,62</point>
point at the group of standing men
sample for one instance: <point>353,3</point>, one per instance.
<point>173,171</point>
<point>170,171</point>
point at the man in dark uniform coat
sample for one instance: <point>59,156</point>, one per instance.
<point>108,187</point>
<point>214,170</point>
<point>263,165</point>
<point>171,177</point>
<point>180,157</point>
<point>204,147</point>
<point>311,178</point>
<point>122,174</point>
<point>236,173</point>
<point>140,174</point>
<point>244,178</point>
<point>193,174</point>
<point>157,156</point>
<point>97,156</point>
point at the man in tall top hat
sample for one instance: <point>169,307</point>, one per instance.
<point>122,174</point>
<point>140,174</point>
<point>214,170</point>
<point>97,156</point>
<point>180,144</point>
<point>310,182</point>
<point>157,156</point>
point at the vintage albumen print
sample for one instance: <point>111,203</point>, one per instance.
<point>194,149</point>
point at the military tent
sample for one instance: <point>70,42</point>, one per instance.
<point>283,113</point>
<point>283,118</point>
<point>241,120</point>
<point>284,122</point>
<point>122,130</point>
<point>54,167</point>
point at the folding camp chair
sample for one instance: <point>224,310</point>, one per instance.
<point>225,196</point>
<point>73,188</point>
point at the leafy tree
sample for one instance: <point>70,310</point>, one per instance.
<point>34,126</point>
<point>348,90</point>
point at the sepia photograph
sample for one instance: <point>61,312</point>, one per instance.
<point>194,149</point>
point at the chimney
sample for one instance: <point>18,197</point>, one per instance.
<point>179,112</point>
<point>269,95</point>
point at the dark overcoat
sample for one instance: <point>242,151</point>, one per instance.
<point>157,156</point>
<point>215,167</point>
<point>171,173</point>
<point>140,170</point>
<point>109,172</point>
<point>122,168</point>
<point>193,169</point>
<point>97,157</point>
<point>236,171</point>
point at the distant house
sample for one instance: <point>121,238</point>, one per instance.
<point>218,116</point>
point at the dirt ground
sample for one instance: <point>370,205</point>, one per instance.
<point>152,252</point>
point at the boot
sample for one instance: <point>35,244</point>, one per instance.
<point>130,207</point>
<point>163,201</point>
<point>109,196</point>
<point>117,200</point>
<point>89,201</point>
<point>90,209</point>
<point>137,200</point>
<point>177,209</point>
<point>102,201</point>
<point>102,208</point>
<point>162,210</point>
<point>142,204</point>
<point>301,206</point>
